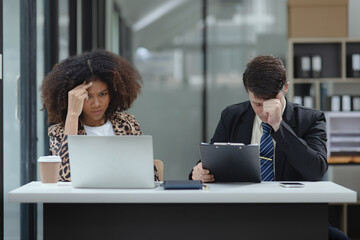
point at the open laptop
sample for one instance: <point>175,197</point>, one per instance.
<point>231,162</point>
<point>111,161</point>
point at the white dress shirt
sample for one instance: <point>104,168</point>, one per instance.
<point>257,132</point>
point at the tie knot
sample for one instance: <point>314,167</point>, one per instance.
<point>266,127</point>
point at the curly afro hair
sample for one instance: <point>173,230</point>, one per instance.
<point>123,80</point>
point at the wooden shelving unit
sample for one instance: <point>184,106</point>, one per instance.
<point>334,54</point>
<point>343,127</point>
<point>344,160</point>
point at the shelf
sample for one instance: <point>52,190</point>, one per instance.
<point>353,114</point>
<point>345,139</point>
<point>343,159</point>
<point>345,149</point>
<point>351,48</point>
<point>345,132</point>
<point>314,80</point>
<point>325,80</point>
<point>329,52</point>
<point>320,40</point>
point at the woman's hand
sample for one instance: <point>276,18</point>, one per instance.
<point>76,98</point>
<point>202,174</point>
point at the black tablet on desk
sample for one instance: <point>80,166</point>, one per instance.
<point>231,162</point>
<point>182,184</point>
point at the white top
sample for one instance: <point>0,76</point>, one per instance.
<point>265,192</point>
<point>103,130</point>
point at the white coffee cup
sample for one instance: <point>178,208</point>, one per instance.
<point>49,168</point>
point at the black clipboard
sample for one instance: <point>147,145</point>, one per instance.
<point>231,162</point>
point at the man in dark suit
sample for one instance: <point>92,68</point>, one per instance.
<point>295,148</point>
<point>298,133</point>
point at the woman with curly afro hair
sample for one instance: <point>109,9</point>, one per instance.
<point>86,95</point>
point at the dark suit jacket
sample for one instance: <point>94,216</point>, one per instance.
<point>300,152</point>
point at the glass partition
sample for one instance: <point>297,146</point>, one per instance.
<point>11,41</point>
<point>237,32</point>
<point>40,114</point>
<point>166,48</point>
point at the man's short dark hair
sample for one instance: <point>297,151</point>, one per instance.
<point>265,76</point>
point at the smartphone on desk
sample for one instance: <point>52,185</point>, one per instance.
<point>292,185</point>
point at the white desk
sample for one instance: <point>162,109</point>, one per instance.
<point>249,211</point>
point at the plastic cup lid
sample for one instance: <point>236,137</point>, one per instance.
<point>53,158</point>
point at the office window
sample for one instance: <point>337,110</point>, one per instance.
<point>237,32</point>
<point>166,49</point>
<point>166,43</point>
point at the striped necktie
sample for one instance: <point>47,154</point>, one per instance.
<point>266,154</point>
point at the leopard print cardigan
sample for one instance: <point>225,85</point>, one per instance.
<point>123,124</point>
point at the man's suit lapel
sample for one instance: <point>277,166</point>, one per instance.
<point>280,157</point>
